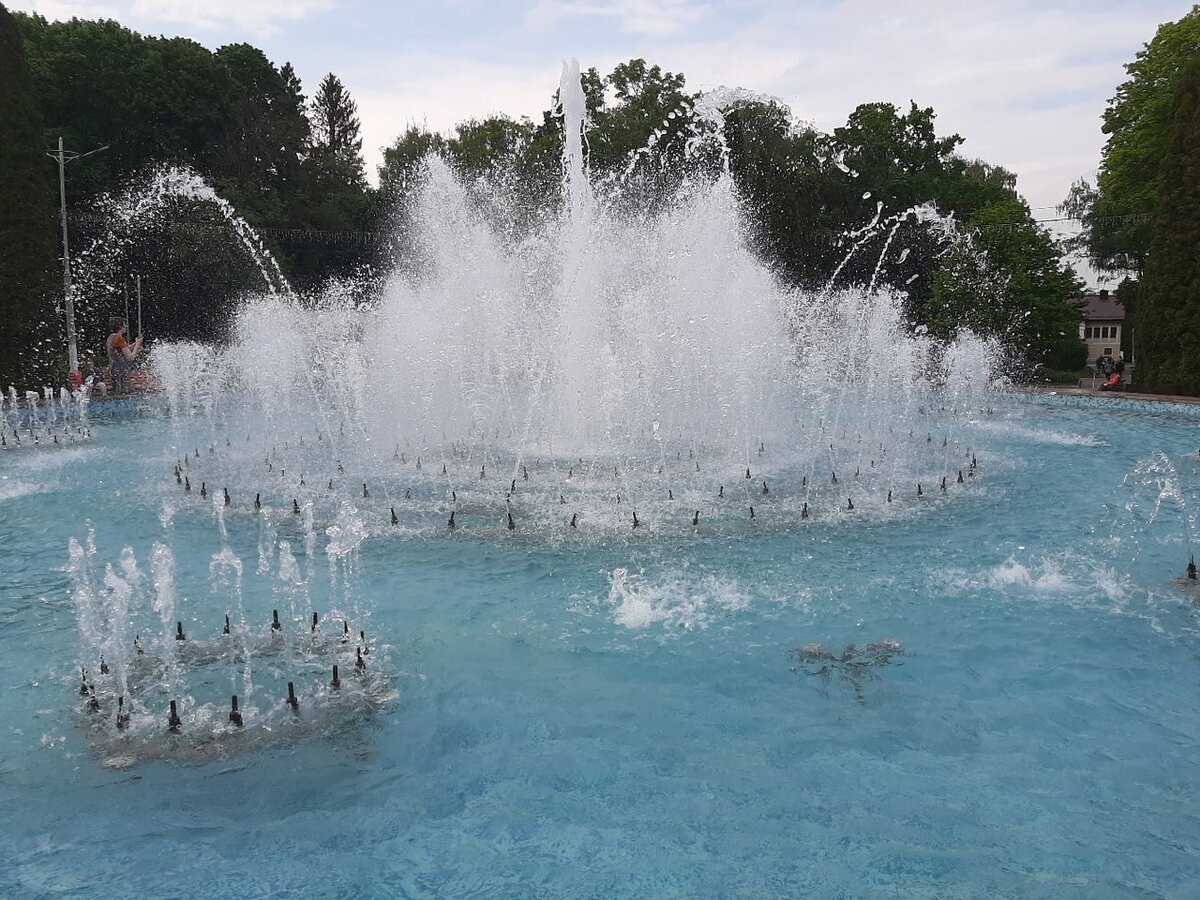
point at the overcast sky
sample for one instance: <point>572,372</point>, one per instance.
<point>1024,81</point>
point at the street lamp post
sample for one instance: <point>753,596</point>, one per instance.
<point>63,157</point>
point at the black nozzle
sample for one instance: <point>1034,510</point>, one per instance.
<point>451,524</point>
<point>179,635</point>
<point>83,684</point>
<point>226,630</point>
<point>295,507</point>
<point>103,666</point>
<point>257,502</point>
<point>203,490</point>
<point>122,715</point>
<point>275,626</point>
<point>360,664</point>
<point>174,723</point>
<point>314,624</point>
<point>291,698</point>
<point>366,493</point>
<point>336,684</point>
<point>345,632</point>
<point>235,716</point>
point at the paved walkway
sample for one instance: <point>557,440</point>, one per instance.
<point>1130,392</point>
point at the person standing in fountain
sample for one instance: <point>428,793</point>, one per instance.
<point>121,355</point>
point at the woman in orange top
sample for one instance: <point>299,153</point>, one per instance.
<point>121,355</point>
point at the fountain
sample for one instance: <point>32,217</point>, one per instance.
<point>645,359</point>
<point>591,557</point>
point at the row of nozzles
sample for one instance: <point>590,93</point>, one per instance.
<point>175,723</point>
<point>512,525</point>
<point>276,625</point>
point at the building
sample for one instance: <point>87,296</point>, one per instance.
<point>1103,320</point>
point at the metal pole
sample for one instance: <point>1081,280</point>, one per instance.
<point>72,351</point>
<point>139,298</point>
<point>61,157</point>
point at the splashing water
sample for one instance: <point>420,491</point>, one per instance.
<point>618,341</point>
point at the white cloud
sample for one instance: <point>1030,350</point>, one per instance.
<point>650,17</point>
<point>439,92</point>
<point>260,18</point>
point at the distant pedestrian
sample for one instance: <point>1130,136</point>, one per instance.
<point>121,355</point>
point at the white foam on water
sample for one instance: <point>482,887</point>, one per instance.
<point>672,601</point>
<point>13,490</point>
<point>1042,435</point>
<point>1069,576</point>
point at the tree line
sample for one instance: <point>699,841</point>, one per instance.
<point>290,161</point>
<point>1142,215</point>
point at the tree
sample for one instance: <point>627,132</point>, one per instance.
<point>482,145</point>
<point>28,242</point>
<point>337,143</point>
<point>1167,315</point>
<point>403,159</point>
<point>1116,211</point>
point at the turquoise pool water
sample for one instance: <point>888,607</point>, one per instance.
<point>625,713</point>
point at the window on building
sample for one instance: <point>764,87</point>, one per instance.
<point>1108,351</point>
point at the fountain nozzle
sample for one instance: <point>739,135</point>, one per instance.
<point>235,716</point>
<point>275,626</point>
<point>122,715</point>
<point>336,684</point>
<point>174,723</point>
<point>179,635</point>
<point>291,698</point>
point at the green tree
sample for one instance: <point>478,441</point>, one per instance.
<point>1167,313</point>
<point>28,242</point>
<point>337,142</point>
<point>480,146</point>
<point>266,137</point>
<point>1116,211</point>
<point>898,159</point>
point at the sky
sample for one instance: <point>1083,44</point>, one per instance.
<point>1025,82</point>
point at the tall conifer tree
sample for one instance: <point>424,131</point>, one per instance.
<point>1167,317</point>
<point>28,243</point>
